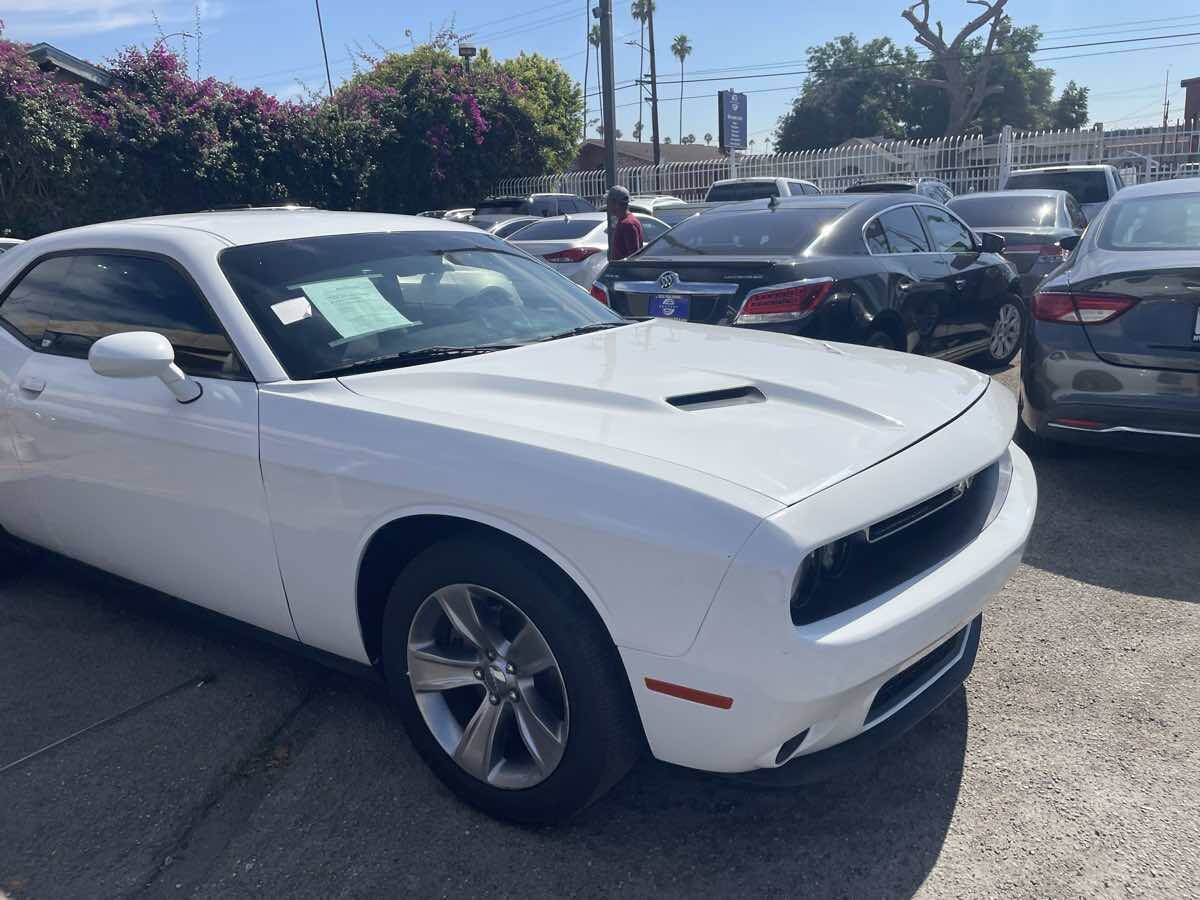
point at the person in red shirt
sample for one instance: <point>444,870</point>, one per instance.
<point>625,231</point>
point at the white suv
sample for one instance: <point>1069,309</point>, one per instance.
<point>1091,186</point>
<point>758,189</point>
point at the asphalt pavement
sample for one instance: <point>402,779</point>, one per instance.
<point>1069,764</point>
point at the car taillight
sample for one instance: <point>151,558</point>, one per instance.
<point>570,255</point>
<point>600,293</point>
<point>1079,309</point>
<point>783,303</point>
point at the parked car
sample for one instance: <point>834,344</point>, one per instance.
<point>577,245</point>
<point>758,188</point>
<point>506,228</point>
<point>653,205</point>
<point>459,215</point>
<point>496,209</point>
<point>408,447</point>
<point>888,271</point>
<point>8,243</point>
<point>935,190</point>
<point>1091,186</point>
<point>1033,224</point>
<point>1113,355</point>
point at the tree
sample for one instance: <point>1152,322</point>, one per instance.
<point>667,139</point>
<point>966,86</point>
<point>637,130</point>
<point>752,145</point>
<point>688,139</point>
<point>641,10</point>
<point>1071,108</point>
<point>708,137</point>
<point>682,50</point>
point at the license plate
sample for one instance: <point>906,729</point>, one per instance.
<point>669,306</point>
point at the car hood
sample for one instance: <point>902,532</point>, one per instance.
<point>779,415</point>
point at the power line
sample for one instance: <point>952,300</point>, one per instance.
<point>1117,24</point>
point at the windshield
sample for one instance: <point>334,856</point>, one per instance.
<point>1000,212</point>
<point>752,232</point>
<point>749,190</point>
<point>1085,187</point>
<point>338,301</point>
<point>561,228</point>
<point>1170,222</point>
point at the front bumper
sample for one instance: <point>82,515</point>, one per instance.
<point>822,678</point>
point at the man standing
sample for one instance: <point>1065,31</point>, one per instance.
<point>624,230</point>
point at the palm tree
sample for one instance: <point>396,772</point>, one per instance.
<point>682,49</point>
<point>594,40</point>
<point>637,130</point>
<point>641,11</point>
<point>751,145</point>
<point>708,137</point>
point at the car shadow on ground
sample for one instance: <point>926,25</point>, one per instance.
<point>1093,524</point>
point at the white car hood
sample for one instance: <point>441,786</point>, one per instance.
<point>830,410</point>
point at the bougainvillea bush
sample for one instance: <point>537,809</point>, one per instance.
<point>409,132</point>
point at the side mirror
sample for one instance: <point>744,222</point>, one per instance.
<point>142,354</point>
<point>991,243</point>
<point>1070,242</point>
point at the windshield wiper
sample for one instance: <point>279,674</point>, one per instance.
<point>503,251</point>
<point>583,329</point>
<point>410,358</point>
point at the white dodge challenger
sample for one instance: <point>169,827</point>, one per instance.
<point>560,536</point>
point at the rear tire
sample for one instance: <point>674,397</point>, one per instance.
<point>558,731</point>
<point>1008,332</point>
<point>883,340</point>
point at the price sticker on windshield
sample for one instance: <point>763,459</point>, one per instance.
<point>354,306</point>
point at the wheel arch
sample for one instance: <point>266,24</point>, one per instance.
<point>891,321</point>
<point>395,543</point>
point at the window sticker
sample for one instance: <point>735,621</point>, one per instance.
<point>354,306</point>
<point>292,311</point>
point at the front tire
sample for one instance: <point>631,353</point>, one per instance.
<point>509,686</point>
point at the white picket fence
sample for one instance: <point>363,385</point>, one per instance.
<point>967,163</point>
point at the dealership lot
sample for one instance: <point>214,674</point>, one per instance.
<point>1068,765</point>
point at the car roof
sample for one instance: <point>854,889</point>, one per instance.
<point>257,226</point>
<point>753,179</point>
<point>1158,188</point>
<point>1065,167</point>
<point>1023,192</point>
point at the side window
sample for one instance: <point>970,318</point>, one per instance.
<point>651,229</point>
<point>876,239</point>
<point>812,189</point>
<point>1117,180</point>
<point>66,303</point>
<point>903,231</point>
<point>947,233</point>
<point>1075,212</point>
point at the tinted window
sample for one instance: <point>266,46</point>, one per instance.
<point>559,229</point>
<point>812,189</point>
<point>785,231</point>
<point>903,231</point>
<point>1086,187</point>
<point>508,229</point>
<point>583,206</point>
<point>333,302</point>
<point>1002,211</point>
<point>651,228</point>
<point>66,303</point>
<point>1075,213</point>
<point>506,204</point>
<point>1169,222</point>
<point>752,190</point>
<point>947,233</point>
<point>543,207</point>
<point>876,239</point>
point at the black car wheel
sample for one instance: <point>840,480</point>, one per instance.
<point>507,682</point>
<point>881,339</point>
<point>1008,331</point>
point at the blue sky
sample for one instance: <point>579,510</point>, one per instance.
<point>274,43</point>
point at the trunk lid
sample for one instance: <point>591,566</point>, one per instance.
<point>737,275</point>
<point>1024,245</point>
<point>782,416</point>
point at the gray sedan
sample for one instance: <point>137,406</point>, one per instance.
<point>1113,349</point>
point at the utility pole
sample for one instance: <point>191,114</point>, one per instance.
<point>608,90</point>
<point>1166,111</point>
<point>321,28</point>
<point>654,96</point>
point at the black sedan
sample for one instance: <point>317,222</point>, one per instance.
<point>1113,353</point>
<point>1039,227</point>
<point>893,271</point>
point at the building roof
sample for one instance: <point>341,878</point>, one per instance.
<point>669,152</point>
<point>47,55</point>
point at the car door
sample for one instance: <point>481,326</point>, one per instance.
<point>974,283</point>
<point>915,273</point>
<point>116,472</point>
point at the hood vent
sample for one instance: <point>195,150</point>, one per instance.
<point>713,399</point>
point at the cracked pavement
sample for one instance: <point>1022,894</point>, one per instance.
<point>1068,765</point>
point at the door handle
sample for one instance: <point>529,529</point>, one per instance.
<point>33,384</point>
<point>960,283</point>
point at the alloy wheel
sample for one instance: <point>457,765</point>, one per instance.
<point>1006,332</point>
<point>488,686</point>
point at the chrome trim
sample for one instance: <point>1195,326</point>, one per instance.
<point>692,288</point>
<point>760,318</point>
<point>915,204</point>
<point>1127,428</point>
<point>960,490</point>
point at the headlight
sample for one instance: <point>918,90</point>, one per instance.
<point>823,565</point>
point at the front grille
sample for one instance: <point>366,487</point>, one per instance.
<point>904,684</point>
<point>890,552</point>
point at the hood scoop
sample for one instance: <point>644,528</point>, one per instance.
<point>714,399</point>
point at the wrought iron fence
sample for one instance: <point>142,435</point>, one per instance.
<point>967,163</point>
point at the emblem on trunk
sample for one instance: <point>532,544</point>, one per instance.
<point>667,280</point>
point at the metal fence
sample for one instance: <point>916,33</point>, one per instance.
<point>967,163</point>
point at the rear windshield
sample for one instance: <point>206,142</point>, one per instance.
<point>1086,187</point>
<point>996,212</point>
<point>509,204</point>
<point>754,190</point>
<point>746,233</point>
<point>1153,223</point>
<point>881,187</point>
<point>560,229</point>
